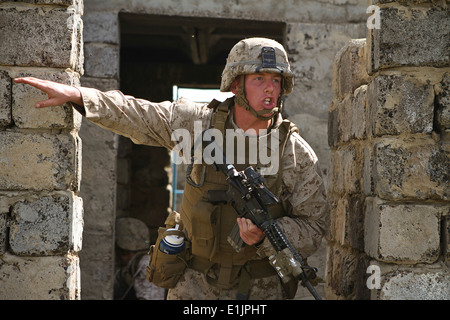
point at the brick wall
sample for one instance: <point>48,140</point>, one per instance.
<point>40,212</point>
<point>389,138</point>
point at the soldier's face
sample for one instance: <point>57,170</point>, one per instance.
<point>262,90</point>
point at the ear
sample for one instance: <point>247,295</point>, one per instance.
<point>235,85</point>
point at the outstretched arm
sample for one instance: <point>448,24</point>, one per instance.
<point>58,93</point>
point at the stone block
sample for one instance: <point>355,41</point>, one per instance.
<point>5,99</point>
<point>39,161</point>
<point>430,282</point>
<point>57,2</point>
<point>446,238</point>
<point>101,60</point>
<point>359,113</point>
<point>402,233</point>
<point>340,121</point>
<point>39,278</point>
<point>355,223</point>
<point>411,167</point>
<point>346,273</point>
<point>443,103</point>
<point>24,98</point>
<point>349,68</point>
<point>3,232</point>
<point>347,118</point>
<point>49,225</point>
<point>346,170</point>
<point>338,209</point>
<point>97,265</point>
<point>56,30</point>
<point>410,35</point>
<point>100,83</point>
<point>101,27</point>
<point>333,125</point>
<point>335,173</point>
<point>400,103</point>
<point>368,175</point>
<point>400,1</point>
<point>347,222</point>
<point>352,165</point>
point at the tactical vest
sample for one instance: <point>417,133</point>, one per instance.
<point>208,225</point>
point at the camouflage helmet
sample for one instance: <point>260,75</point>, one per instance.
<point>132,234</point>
<point>257,55</point>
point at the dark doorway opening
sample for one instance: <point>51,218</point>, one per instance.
<point>156,53</point>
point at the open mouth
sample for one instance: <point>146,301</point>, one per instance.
<point>268,103</point>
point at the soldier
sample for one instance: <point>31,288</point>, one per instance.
<point>259,75</point>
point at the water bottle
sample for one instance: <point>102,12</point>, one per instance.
<point>172,243</point>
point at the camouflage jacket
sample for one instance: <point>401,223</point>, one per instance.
<point>152,124</point>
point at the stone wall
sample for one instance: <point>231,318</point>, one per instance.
<point>389,136</point>
<point>315,31</point>
<point>40,152</point>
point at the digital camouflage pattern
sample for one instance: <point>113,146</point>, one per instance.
<point>302,192</point>
<point>245,58</point>
<point>194,286</point>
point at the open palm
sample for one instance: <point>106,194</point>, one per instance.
<point>57,93</point>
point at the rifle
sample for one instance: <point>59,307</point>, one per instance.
<point>250,199</point>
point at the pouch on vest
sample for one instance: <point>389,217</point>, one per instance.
<point>164,270</point>
<point>205,229</point>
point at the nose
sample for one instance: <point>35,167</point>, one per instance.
<point>269,86</point>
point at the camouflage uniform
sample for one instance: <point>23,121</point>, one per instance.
<point>302,192</point>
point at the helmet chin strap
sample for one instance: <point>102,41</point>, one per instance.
<point>241,100</point>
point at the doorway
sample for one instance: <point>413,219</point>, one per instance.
<point>157,53</point>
